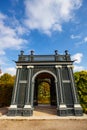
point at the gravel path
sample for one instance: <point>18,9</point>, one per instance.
<point>43,124</point>
<point>42,121</point>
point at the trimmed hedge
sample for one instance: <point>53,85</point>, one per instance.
<point>81,84</point>
<point>5,94</point>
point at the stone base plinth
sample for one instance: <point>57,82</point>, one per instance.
<point>20,112</point>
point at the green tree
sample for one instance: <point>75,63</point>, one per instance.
<point>81,84</point>
<point>7,79</point>
<point>44,93</point>
<point>6,87</point>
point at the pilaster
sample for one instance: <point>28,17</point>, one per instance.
<point>57,95</point>
<point>16,86</point>
<point>62,110</point>
<point>28,110</point>
<point>70,67</point>
<point>13,107</point>
<point>29,85</point>
<point>77,106</point>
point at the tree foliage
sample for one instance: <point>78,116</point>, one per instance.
<point>6,87</point>
<point>81,84</point>
<point>7,79</point>
<point>44,93</point>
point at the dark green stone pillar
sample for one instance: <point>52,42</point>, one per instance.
<point>13,107</point>
<point>62,111</point>
<point>77,106</point>
<point>28,109</point>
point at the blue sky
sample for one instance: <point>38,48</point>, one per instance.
<point>43,26</point>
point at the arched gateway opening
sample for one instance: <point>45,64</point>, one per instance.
<point>44,89</point>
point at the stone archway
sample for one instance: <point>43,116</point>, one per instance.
<point>46,80</point>
<point>58,70</point>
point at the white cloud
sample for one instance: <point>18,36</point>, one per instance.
<point>75,36</point>
<point>2,52</point>
<point>10,70</point>
<point>48,16</point>
<point>78,68</point>
<point>77,57</point>
<point>10,37</point>
<point>85,39</point>
<point>3,60</point>
<point>2,17</point>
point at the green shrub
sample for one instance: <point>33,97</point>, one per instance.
<point>5,94</point>
<point>6,87</point>
<point>81,84</point>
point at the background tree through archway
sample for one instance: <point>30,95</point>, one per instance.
<point>44,93</point>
